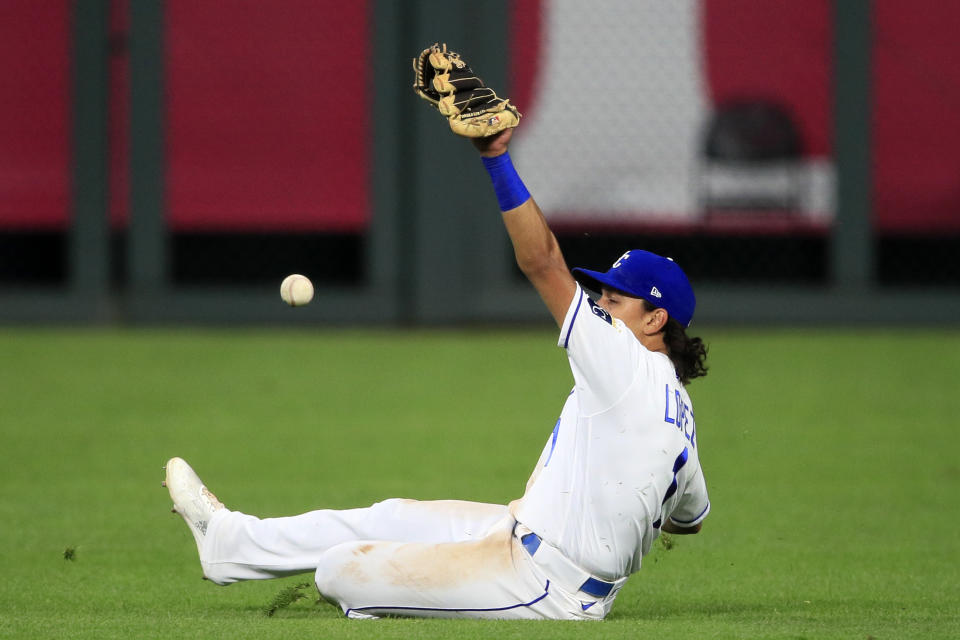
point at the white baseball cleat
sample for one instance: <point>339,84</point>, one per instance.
<point>191,499</point>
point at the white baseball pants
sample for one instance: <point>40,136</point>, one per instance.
<point>445,558</point>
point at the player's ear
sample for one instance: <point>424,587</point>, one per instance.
<point>656,320</point>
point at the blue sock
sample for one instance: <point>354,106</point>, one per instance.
<point>510,190</point>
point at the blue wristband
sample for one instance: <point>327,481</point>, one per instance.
<point>510,190</point>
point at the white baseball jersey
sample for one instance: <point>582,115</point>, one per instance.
<point>622,457</point>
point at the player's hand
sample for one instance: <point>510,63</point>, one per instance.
<point>494,145</point>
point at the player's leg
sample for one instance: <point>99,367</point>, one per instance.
<point>243,547</point>
<point>235,546</point>
<point>493,577</point>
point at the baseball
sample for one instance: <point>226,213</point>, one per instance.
<point>296,290</point>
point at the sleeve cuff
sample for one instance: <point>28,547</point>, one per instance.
<point>695,521</point>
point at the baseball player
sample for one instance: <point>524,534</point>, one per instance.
<point>620,466</point>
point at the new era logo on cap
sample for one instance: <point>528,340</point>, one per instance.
<point>656,293</point>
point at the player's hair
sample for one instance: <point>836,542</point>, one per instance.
<point>689,355</point>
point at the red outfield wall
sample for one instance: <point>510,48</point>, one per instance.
<point>263,133</point>
<point>34,113</point>
<point>783,48</point>
<point>266,124</point>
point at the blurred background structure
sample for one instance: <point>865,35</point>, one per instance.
<point>173,161</point>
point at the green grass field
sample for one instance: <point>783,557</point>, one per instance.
<point>831,456</point>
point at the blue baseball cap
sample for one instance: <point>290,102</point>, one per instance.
<point>658,280</point>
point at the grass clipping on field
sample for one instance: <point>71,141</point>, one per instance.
<point>286,597</point>
<point>665,541</point>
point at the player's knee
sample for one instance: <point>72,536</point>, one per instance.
<point>328,567</point>
<point>338,567</point>
<point>325,586</point>
<point>325,578</point>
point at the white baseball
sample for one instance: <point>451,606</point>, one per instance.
<point>296,290</point>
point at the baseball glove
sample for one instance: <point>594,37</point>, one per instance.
<point>449,84</point>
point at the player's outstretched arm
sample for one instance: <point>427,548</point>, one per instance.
<point>534,245</point>
<point>444,79</point>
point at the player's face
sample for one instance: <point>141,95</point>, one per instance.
<point>622,306</point>
<point>647,326</point>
